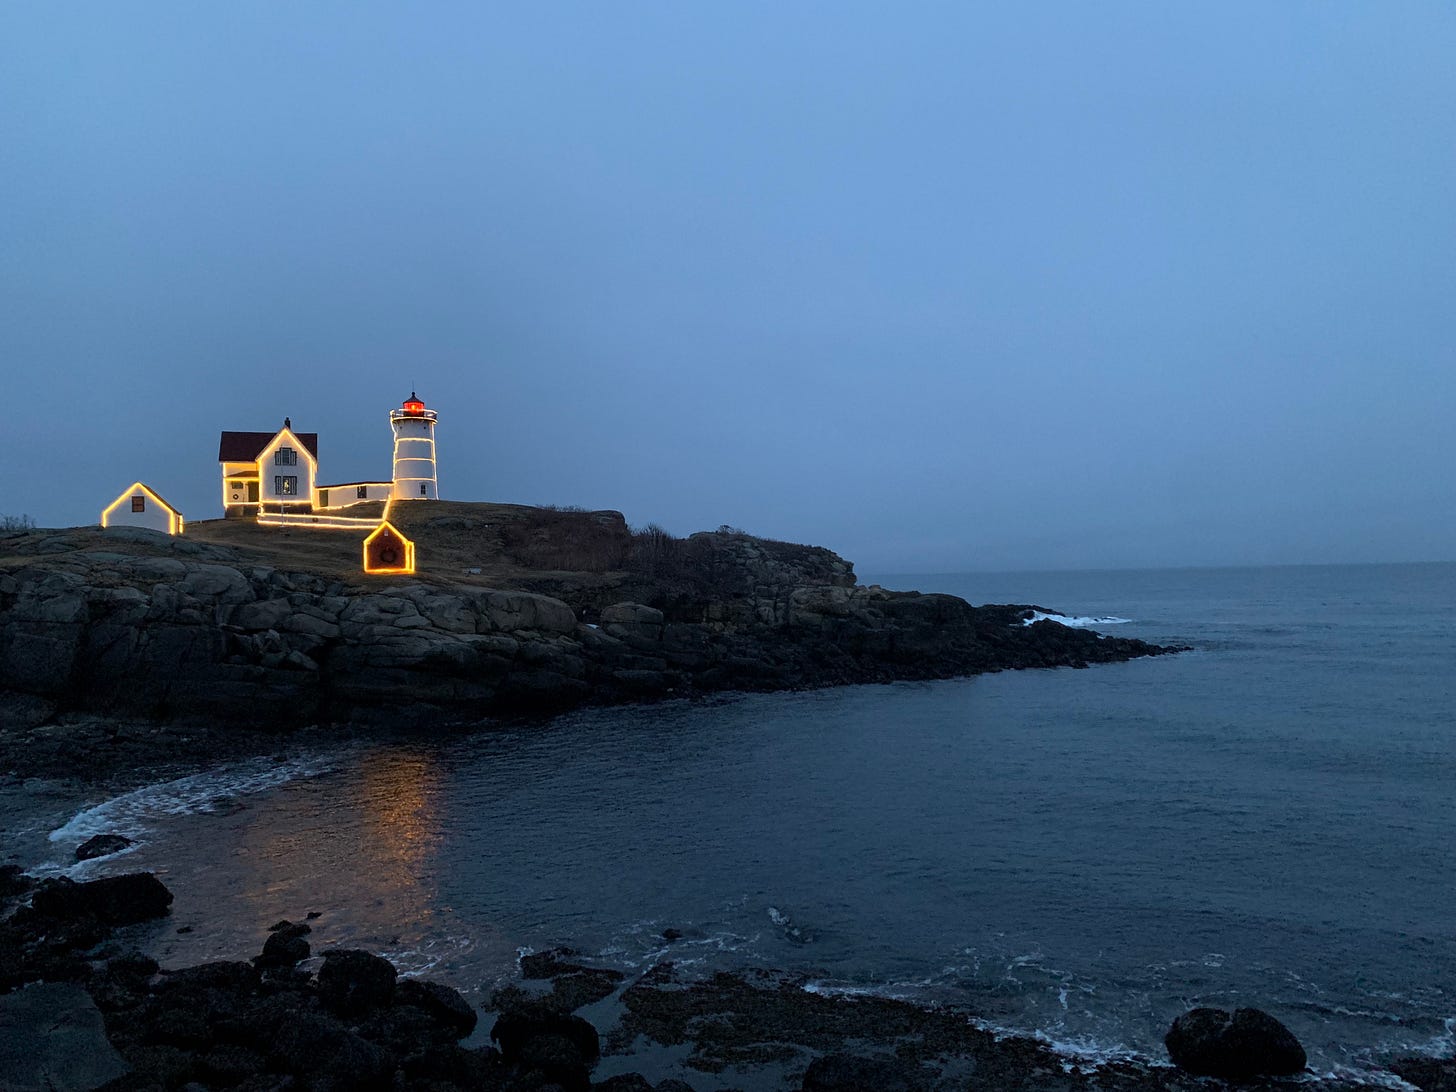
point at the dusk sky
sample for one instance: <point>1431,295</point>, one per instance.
<point>943,287</point>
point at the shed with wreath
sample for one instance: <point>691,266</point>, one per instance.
<point>388,551</point>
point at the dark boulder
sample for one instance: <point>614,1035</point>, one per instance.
<point>115,900</point>
<point>353,982</point>
<point>516,1027</point>
<point>549,964</point>
<point>1427,1074</point>
<point>13,881</point>
<point>844,1073</point>
<point>570,992</point>
<point>282,950</point>
<point>101,845</point>
<point>442,1004</point>
<point>453,1067</point>
<point>228,1065</point>
<point>132,965</point>
<point>285,946</point>
<point>226,976</point>
<point>1248,1043</point>
<point>558,1059</point>
<point>318,1046</point>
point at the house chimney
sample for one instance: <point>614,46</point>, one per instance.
<point>287,422</point>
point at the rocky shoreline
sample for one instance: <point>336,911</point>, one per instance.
<point>80,1008</point>
<point>124,649</point>
<point>129,652</point>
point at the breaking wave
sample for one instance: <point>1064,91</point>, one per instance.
<point>1075,621</point>
<point>133,814</point>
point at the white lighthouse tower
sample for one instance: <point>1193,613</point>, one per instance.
<point>414,451</point>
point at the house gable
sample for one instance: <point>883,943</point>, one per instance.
<point>286,482</point>
<point>141,506</point>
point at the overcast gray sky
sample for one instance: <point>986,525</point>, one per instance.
<point>942,286</point>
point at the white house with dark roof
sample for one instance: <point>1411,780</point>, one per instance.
<point>278,469</point>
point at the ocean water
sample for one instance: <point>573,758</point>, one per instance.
<point>1269,819</point>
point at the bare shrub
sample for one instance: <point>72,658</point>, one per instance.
<point>656,552</point>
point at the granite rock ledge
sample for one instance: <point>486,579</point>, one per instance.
<point>216,630</point>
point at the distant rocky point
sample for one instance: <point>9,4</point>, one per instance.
<point>126,642</point>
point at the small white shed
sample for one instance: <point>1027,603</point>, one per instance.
<point>139,506</point>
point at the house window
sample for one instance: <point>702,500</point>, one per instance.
<point>362,492</point>
<point>424,490</point>
<point>285,456</point>
<point>323,498</point>
<point>139,504</point>
<point>285,485</point>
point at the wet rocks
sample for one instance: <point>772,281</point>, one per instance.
<point>846,1073</point>
<point>352,981</point>
<point>549,964</point>
<point>440,1003</point>
<point>229,1024</point>
<point>284,947</point>
<point>115,900</point>
<point>1427,1074</point>
<point>561,1047</point>
<point>14,881</point>
<point>1241,1044</point>
<point>315,1045</point>
<point>101,845</point>
<point>573,984</point>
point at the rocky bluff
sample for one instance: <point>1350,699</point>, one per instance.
<point>514,609</point>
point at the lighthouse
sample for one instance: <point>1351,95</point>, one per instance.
<point>414,451</point>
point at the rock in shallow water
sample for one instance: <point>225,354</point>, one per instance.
<point>115,900</point>
<point>101,845</point>
<point>443,1004</point>
<point>1246,1043</point>
<point>285,948</point>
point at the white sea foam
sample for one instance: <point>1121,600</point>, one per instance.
<point>1076,621</point>
<point>133,814</point>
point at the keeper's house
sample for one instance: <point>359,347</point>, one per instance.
<point>276,469</point>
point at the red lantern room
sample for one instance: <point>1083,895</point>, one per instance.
<point>413,406</point>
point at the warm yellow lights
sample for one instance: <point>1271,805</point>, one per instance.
<point>175,523</point>
<point>350,490</point>
<point>388,551</point>
<point>311,522</point>
<point>235,480</point>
